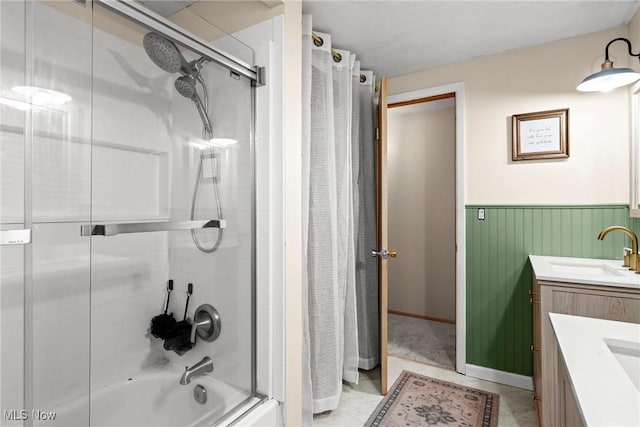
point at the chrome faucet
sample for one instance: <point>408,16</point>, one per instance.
<point>630,260</point>
<point>202,367</point>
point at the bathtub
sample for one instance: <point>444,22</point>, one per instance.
<point>154,397</point>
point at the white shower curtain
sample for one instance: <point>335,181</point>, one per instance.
<point>331,170</point>
<point>366,265</point>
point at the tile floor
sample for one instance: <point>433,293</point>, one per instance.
<point>359,401</point>
<point>419,345</point>
<point>422,340</point>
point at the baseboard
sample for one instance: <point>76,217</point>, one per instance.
<point>421,316</point>
<point>501,377</point>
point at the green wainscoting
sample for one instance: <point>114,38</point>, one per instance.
<point>499,317</point>
<point>634,224</point>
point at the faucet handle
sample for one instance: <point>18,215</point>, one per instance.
<point>206,323</point>
<point>626,256</point>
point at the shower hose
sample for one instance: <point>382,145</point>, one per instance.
<point>212,156</point>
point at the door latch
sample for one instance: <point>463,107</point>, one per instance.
<point>384,254</point>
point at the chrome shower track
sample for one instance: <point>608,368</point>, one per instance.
<point>153,21</point>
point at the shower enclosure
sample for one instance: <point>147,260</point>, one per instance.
<point>126,161</point>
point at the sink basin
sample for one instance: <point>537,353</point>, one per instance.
<point>628,355</point>
<point>590,271</point>
<point>584,268</point>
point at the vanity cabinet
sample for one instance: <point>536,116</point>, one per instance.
<point>598,301</point>
<point>568,405</point>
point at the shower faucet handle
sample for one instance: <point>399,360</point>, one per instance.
<point>206,323</point>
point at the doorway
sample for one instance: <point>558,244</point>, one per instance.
<point>422,228</point>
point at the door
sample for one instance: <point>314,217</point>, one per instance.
<point>382,228</point>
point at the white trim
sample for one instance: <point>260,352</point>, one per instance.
<point>461,197</point>
<point>500,377</point>
<point>634,212</point>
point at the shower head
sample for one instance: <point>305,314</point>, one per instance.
<point>186,86</point>
<point>165,54</point>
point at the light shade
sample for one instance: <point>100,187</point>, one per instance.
<point>608,79</point>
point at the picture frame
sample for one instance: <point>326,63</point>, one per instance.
<point>540,135</point>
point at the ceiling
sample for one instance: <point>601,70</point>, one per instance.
<point>397,37</point>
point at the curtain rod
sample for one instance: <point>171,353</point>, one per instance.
<point>317,40</point>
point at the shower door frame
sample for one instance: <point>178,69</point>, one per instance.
<point>138,14</point>
<point>143,16</point>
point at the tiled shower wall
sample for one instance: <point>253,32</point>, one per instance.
<point>130,182</point>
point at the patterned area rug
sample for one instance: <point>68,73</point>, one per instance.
<point>416,400</point>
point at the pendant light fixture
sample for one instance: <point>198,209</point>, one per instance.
<point>609,78</point>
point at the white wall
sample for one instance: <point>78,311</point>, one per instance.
<point>421,173</point>
<point>293,210</point>
<point>540,78</point>
<point>634,32</point>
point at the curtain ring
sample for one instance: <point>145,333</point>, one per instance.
<point>336,56</point>
<point>363,78</point>
<point>317,40</point>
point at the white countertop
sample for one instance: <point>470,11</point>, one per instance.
<point>608,272</point>
<point>605,394</point>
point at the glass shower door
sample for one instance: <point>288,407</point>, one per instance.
<point>59,69</point>
<point>95,133</point>
<point>45,173</point>
<point>12,214</point>
<point>172,152</point>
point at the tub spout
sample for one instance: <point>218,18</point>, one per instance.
<point>202,367</point>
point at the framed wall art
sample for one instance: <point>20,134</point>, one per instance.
<point>541,135</point>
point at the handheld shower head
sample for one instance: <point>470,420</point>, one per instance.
<point>186,86</point>
<point>165,54</point>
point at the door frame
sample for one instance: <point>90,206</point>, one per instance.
<point>461,315</point>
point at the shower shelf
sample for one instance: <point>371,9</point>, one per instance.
<point>147,227</point>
